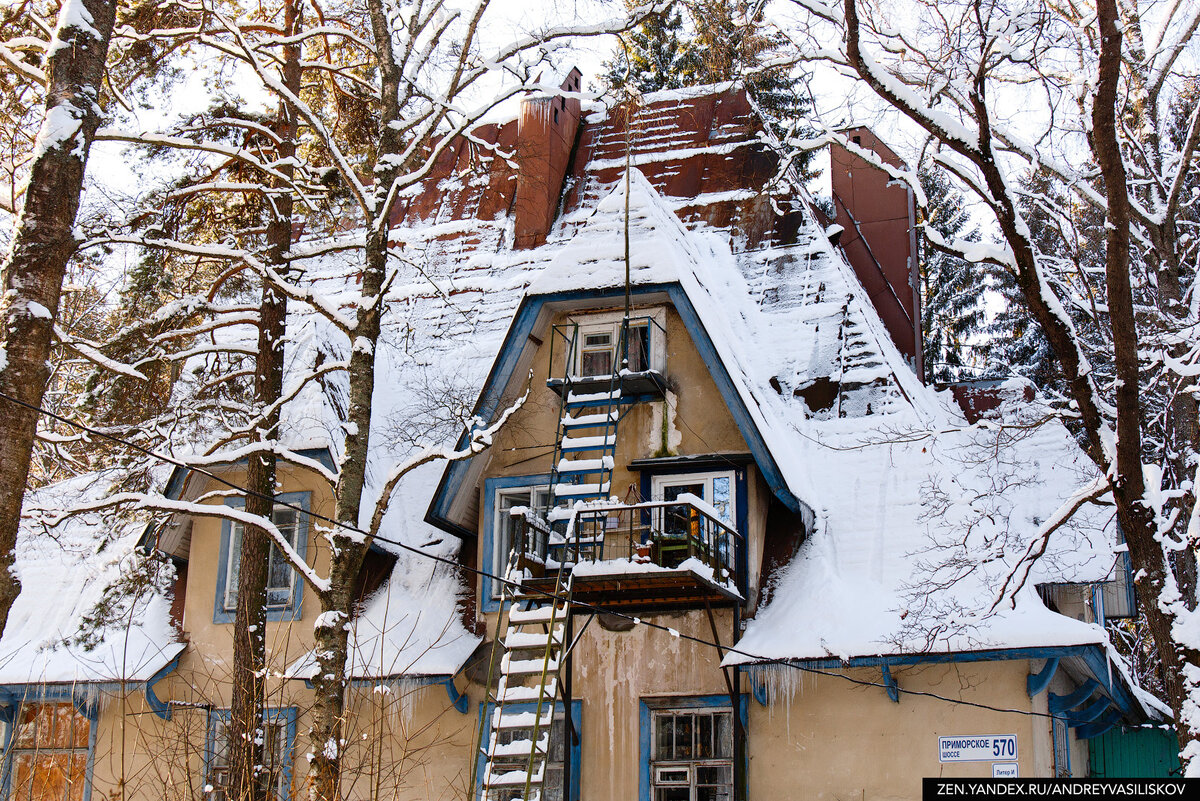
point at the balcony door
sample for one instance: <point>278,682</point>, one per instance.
<point>716,489</point>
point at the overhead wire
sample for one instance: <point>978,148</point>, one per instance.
<point>599,610</point>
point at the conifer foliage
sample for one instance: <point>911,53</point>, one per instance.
<point>953,316</point>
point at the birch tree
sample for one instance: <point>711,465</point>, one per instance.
<point>1094,80</point>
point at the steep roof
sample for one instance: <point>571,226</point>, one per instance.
<point>885,465</point>
<point>64,573</point>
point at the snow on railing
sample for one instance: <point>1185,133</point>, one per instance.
<point>684,534</point>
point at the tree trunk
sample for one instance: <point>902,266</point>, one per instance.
<point>1129,490</point>
<point>44,242</point>
<point>247,735</point>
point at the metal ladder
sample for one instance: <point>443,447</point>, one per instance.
<point>518,746</point>
<point>585,446</point>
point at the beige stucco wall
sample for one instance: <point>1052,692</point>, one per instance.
<point>831,739</point>
<point>697,422</point>
<point>827,739</point>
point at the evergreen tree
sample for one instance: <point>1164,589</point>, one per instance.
<point>952,310</point>
<point>719,41</point>
<point>655,55</point>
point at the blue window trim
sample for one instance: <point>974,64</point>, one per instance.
<point>296,609</point>
<point>1059,724</point>
<point>486,602</point>
<point>741,501</point>
<point>287,714</point>
<point>646,706</point>
<point>85,702</point>
<point>485,715</point>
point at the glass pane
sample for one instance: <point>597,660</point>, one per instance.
<point>234,566</point>
<point>704,737</point>
<point>724,736</point>
<point>712,794</point>
<point>722,499</point>
<point>664,727</point>
<point>639,348</point>
<point>715,774</point>
<point>597,340</point>
<point>683,737</point>
<point>677,522</point>
<point>27,731</point>
<point>672,794</point>
<point>596,362</point>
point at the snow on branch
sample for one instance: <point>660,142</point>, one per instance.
<point>157,503</point>
<point>1016,578</point>
<point>480,440</point>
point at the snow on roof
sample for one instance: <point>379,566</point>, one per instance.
<point>891,495</point>
<point>919,526</point>
<point>847,422</point>
<point>64,572</point>
<point>411,626</point>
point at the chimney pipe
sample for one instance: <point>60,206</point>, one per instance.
<point>878,216</point>
<point>546,132</point>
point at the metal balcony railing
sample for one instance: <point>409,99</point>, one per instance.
<point>681,533</point>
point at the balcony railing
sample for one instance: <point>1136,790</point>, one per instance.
<point>593,355</point>
<point>604,539</point>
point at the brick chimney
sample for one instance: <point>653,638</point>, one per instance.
<point>545,137</point>
<point>878,216</point>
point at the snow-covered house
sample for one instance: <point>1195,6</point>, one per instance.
<point>747,550</point>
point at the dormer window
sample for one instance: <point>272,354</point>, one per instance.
<point>600,351</point>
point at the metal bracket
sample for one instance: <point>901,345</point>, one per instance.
<point>459,700</point>
<point>893,689</point>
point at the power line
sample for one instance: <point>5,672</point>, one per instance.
<point>504,580</point>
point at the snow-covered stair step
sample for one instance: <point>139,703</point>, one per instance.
<point>514,778</point>
<point>516,695</point>
<point>502,719</point>
<point>583,400</point>
<point>519,748</point>
<point>573,467</point>
<point>574,444</point>
<point>576,490</point>
<point>527,667</point>
<point>591,420</point>
<point>529,639</point>
<point>515,631</point>
<point>538,614</point>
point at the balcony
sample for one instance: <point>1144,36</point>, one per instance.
<point>599,357</point>
<point>645,556</point>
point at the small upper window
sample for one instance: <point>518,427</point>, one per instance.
<point>602,353</point>
<point>284,584</point>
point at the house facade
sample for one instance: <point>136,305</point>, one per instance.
<point>719,550</point>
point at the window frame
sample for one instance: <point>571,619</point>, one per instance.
<point>660,481</point>
<point>293,611</point>
<point>647,707</point>
<point>485,715</point>
<point>492,488</point>
<point>9,715</point>
<point>610,323</point>
<point>1060,739</point>
<point>276,714</point>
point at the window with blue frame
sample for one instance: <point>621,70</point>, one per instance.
<point>555,774</point>
<point>501,496</point>
<point>49,753</point>
<point>279,740</point>
<point>687,748</point>
<point>1062,747</point>
<point>284,584</point>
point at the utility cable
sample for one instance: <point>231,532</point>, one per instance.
<point>554,597</point>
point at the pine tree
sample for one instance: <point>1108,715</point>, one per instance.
<point>952,310</point>
<point>654,56</point>
<point>722,40</point>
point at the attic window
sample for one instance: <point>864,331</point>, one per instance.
<point>600,351</point>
